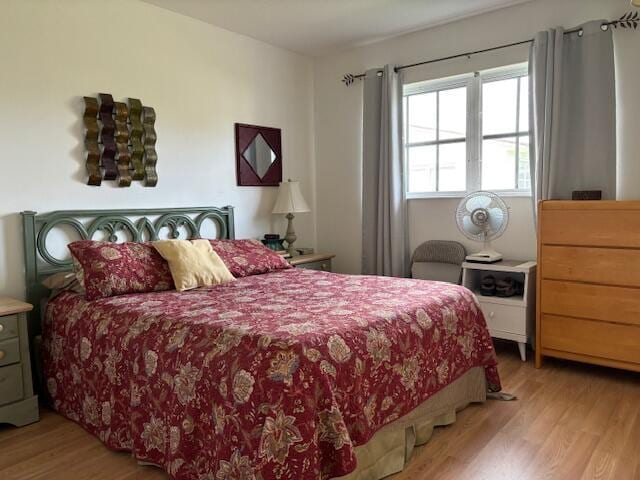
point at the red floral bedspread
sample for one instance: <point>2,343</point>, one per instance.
<point>272,376</point>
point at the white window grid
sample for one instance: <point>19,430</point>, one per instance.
<point>473,82</point>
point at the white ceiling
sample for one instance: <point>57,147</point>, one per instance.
<point>316,27</point>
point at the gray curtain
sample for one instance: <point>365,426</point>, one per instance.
<point>572,113</point>
<point>385,240</point>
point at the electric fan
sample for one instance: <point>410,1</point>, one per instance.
<point>482,216</point>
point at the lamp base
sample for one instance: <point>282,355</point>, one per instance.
<point>290,236</point>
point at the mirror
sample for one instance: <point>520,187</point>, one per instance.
<point>259,155</point>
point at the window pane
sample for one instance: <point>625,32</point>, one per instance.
<point>453,167</point>
<point>499,164</point>
<point>499,100</point>
<point>524,175</point>
<point>453,113</point>
<point>524,104</point>
<point>422,117</point>
<point>422,168</point>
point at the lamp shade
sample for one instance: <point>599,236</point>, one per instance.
<point>290,200</point>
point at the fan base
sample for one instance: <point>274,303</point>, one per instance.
<point>481,257</point>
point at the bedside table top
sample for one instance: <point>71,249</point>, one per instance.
<point>524,266</point>
<point>312,257</point>
<point>9,306</point>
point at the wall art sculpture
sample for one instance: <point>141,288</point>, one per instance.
<point>90,121</point>
<point>150,155</point>
<point>119,141</point>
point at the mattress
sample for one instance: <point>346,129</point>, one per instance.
<point>283,375</point>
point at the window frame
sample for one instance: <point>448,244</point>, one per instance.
<point>474,138</point>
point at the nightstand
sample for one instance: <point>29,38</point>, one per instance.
<point>18,404</point>
<point>510,318</point>
<point>313,261</point>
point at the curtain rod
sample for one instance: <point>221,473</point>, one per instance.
<point>628,20</point>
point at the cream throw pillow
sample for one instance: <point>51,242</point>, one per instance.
<point>193,263</point>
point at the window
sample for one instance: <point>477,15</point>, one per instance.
<point>468,133</point>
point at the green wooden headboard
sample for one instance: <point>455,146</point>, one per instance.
<point>134,225</point>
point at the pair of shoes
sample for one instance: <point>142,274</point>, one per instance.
<point>506,287</point>
<point>488,286</point>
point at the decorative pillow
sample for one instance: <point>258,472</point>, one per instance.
<point>248,257</point>
<point>193,263</point>
<point>107,269</point>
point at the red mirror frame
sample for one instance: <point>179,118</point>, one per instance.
<point>245,174</point>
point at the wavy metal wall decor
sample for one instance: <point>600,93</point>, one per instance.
<point>120,141</point>
<point>135,138</point>
<point>92,129</point>
<point>123,159</point>
<point>107,137</point>
<point>150,155</point>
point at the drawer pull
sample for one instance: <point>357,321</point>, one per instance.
<point>492,314</point>
<point>2,354</point>
<point>2,379</point>
<point>1,327</point>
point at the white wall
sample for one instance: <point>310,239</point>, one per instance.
<point>338,118</point>
<point>199,79</point>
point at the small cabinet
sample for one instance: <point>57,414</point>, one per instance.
<point>313,261</point>
<point>509,318</point>
<point>18,404</point>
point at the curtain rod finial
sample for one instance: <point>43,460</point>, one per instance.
<point>348,79</point>
<point>628,20</point>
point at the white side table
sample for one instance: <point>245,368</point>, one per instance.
<point>510,318</point>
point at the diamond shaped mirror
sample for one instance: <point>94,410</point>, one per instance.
<point>258,155</point>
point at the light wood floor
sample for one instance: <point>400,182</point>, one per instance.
<point>570,422</point>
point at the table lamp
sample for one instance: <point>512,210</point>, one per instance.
<point>290,201</point>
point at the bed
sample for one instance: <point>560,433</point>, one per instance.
<point>293,374</point>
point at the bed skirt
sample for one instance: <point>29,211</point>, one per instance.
<point>390,449</point>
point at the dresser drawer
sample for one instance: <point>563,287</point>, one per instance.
<point>8,327</point>
<point>505,318</point>
<point>591,337</point>
<point>612,266</point>
<point>9,351</point>
<point>10,384</point>
<point>324,265</point>
<point>598,228</point>
<point>598,302</point>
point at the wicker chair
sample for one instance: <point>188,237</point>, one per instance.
<point>438,260</point>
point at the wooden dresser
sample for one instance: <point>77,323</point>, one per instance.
<point>588,302</point>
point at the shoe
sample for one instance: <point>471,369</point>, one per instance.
<point>488,286</point>
<point>506,287</point>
